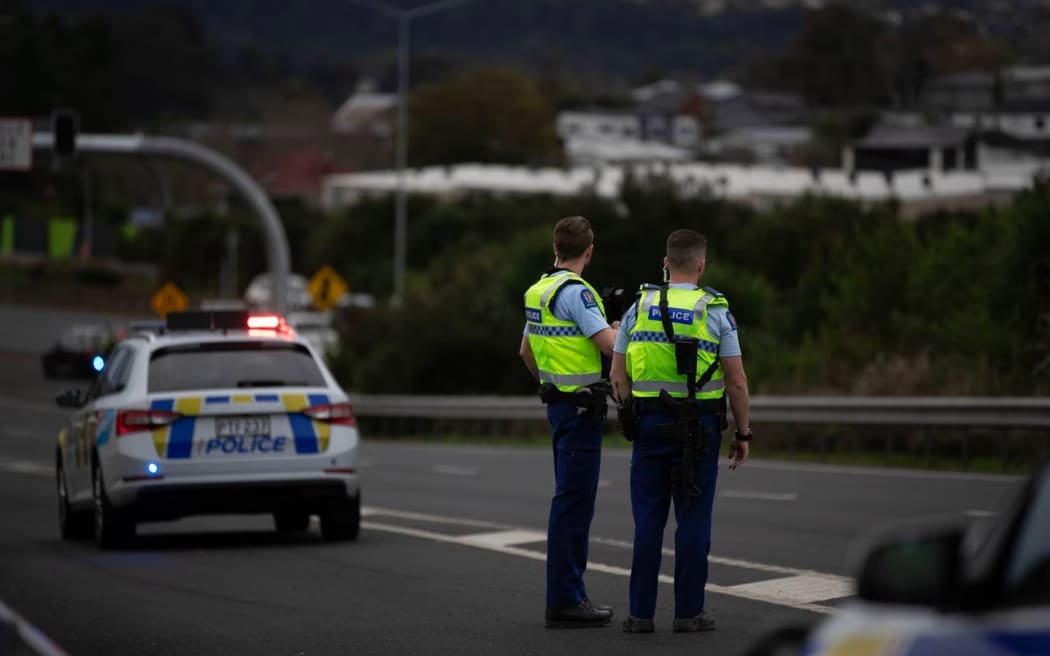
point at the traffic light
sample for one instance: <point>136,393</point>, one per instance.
<point>65,124</point>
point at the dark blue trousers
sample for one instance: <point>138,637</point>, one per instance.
<point>655,454</point>
<point>577,460</point>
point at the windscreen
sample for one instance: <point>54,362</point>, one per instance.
<point>231,365</point>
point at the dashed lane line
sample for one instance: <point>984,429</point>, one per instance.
<point>21,404</point>
<point>455,470</point>
<point>761,496</point>
<point>26,467</point>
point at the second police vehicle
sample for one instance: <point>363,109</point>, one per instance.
<point>217,413</point>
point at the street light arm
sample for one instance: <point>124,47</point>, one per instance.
<point>434,7</point>
<point>381,7</point>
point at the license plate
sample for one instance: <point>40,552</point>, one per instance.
<point>242,426</point>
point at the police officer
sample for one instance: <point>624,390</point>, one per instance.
<point>653,393</point>
<point>566,334</point>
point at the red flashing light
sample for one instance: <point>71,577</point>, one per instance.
<point>265,321</point>
<point>336,413</point>
<point>137,421</point>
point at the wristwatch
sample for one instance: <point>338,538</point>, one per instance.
<point>743,437</point>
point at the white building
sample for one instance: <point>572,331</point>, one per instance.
<point>915,190</point>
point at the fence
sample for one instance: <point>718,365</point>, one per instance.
<point>1010,431</point>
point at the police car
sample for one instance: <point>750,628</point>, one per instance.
<point>925,591</point>
<point>218,412</point>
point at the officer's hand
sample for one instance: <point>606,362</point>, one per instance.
<point>738,452</point>
<point>615,325</point>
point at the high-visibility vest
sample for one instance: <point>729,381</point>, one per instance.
<point>564,356</point>
<point>651,357</point>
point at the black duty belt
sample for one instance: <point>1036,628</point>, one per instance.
<point>647,406</point>
<point>584,397</point>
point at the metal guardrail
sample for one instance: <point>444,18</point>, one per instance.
<point>20,638</point>
<point>995,412</point>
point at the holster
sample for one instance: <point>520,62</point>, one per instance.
<point>630,422</point>
<point>590,400</point>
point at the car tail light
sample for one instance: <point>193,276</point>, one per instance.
<point>335,413</point>
<point>136,421</point>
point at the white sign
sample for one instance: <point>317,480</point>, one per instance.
<point>16,144</point>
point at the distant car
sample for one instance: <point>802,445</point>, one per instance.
<point>222,412</point>
<point>259,293</point>
<point>315,328</point>
<point>978,592</point>
<point>79,352</point>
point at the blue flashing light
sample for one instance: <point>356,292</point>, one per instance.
<point>152,468</point>
<point>98,363</point>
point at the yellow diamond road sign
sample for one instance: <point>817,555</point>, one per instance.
<point>326,287</point>
<point>168,298</point>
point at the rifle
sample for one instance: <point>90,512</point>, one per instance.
<point>686,423</point>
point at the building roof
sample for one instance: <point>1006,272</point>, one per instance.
<point>360,109</point>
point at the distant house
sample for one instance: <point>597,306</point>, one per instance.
<point>671,121</point>
<point>294,174</point>
<point>1008,112</point>
<point>750,125</point>
<point>889,147</point>
<point>971,91</point>
<point>366,112</point>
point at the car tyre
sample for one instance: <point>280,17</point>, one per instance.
<point>291,521</point>
<point>113,528</point>
<point>72,524</point>
<point>341,520</point>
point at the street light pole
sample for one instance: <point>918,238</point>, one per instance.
<point>401,201</point>
<point>404,22</point>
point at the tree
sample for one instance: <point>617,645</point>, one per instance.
<point>489,115</point>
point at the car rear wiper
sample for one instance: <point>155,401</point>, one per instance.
<point>268,383</point>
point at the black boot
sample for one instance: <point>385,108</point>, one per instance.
<point>578,616</point>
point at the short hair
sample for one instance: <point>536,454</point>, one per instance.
<point>572,236</point>
<point>685,249</point>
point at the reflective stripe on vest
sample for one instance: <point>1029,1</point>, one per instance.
<point>676,386</point>
<point>575,380</point>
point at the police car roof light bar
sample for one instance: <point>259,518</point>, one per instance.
<point>208,320</point>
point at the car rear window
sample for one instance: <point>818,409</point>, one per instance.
<point>223,365</point>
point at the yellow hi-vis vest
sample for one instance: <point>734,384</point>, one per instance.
<point>651,358</point>
<point>564,355</point>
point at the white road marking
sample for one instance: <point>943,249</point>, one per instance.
<point>980,513</point>
<point>604,482</point>
<point>762,496</point>
<point>503,538</point>
<point>25,467</point>
<point>800,589</point>
<point>371,511</point>
<point>731,562</point>
<point>455,470</point>
<point>475,541</point>
<point>858,470</point>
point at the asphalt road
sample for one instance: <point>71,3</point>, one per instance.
<point>450,559</point>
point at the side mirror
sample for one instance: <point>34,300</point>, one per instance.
<point>922,570</point>
<point>70,399</point>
